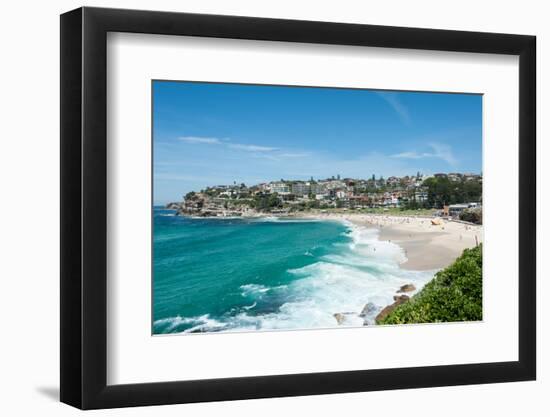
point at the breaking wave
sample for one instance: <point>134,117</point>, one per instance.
<point>363,271</point>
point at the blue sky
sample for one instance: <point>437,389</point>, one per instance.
<point>208,134</point>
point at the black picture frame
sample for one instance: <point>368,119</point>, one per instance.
<point>84,207</point>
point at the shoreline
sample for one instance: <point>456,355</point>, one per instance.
<point>426,246</point>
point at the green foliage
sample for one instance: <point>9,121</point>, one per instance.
<point>444,191</point>
<point>266,202</point>
<point>455,294</point>
<point>210,192</point>
<point>190,195</point>
<point>314,204</point>
<point>242,202</point>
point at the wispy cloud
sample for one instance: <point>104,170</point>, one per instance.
<point>393,100</point>
<point>439,151</point>
<point>251,148</point>
<point>197,139</point>
<point>444,152</point>
<point>410,155</point>
<point>293,155</point>
<point>226,142</point>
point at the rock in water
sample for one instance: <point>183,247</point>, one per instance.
<point>339,318</point>
<point>407,288</point>
<point>369,308</point>
<point>399,299</point>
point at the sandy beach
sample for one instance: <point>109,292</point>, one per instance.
<point>426,246</point>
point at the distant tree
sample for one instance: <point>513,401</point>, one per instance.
<point>410,204</point>
<point>313,204</point>
<point>443,191</point>
<point>266,202</point>
<point>210,192</point>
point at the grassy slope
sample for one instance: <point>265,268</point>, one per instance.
<point>454,294</point>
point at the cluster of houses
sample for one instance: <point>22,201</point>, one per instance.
<point>334,192</point>
<point>348,192</point>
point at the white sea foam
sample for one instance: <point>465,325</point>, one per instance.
<point>251,289</point>
<point>198,323</point>
<point>172,323</point>
<point>367,272</point>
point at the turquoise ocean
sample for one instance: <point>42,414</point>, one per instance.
<point>234,274</point>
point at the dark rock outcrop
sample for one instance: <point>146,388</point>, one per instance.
<point>339,318</point>
<point>407,288</point>
<point>398,300</point>
<point>173,206</point>
<point>368,309</point>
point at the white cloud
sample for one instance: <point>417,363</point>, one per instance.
<point>393,100</point>
<point>409,155</point>
<point>444,152</point>
<point>293,155</point>
<point>197,139</point>
<point>251,148</point>
<point>440,151</point>
<point>218,141</point>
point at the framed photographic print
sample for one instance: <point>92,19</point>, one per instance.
<point>258,207</point>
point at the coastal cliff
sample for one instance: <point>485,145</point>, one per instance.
<point>204,205</point>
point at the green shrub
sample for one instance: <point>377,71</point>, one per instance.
<point>455,294</point>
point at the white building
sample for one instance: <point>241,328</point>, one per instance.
<point>301,188</point>
<point>279,188</point>
<point>341,194</point>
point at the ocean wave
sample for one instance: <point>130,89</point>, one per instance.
<point>322,291</point>
<point>365,271</point>
<point>197,324</point>
<point>331,292</point>
<point>252,289</point>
